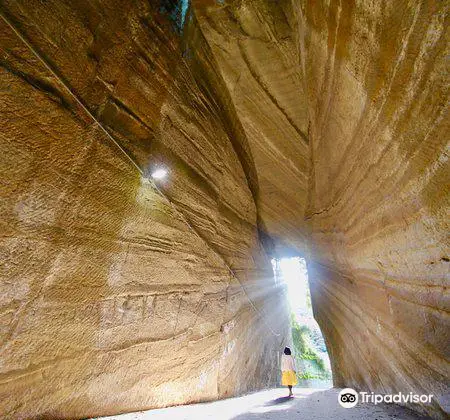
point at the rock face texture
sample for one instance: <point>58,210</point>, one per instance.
<point>376,79</point>
<point>364,85</point>
<point>318,126</point>
<point>256,52</point>
<point>116,297</point>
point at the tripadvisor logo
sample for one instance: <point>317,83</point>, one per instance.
<point>348,398</point>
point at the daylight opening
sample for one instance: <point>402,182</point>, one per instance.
<point>313,363</point>
<point>176,10</point>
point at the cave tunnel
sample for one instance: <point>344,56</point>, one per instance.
<point>156,156</point>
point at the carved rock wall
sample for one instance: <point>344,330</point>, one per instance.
<point>354,96</point>
<point>115,296</point>
<point>255,50</point>
<point>375,75</point>
<point>318,125</point>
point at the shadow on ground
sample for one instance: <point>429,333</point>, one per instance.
<point>323,405</point>
<point>280,400</point>
<point>307,404</point>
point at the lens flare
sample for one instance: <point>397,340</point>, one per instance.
<point>159,173</point>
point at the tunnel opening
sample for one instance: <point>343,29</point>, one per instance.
<point>309,348</point>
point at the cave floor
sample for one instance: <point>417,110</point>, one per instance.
<point>308,403</point>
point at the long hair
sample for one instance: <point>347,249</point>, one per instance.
<point>287,351</point>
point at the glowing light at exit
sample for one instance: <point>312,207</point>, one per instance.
<point>159,173</point>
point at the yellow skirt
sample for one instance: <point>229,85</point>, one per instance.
<point>288,377</point>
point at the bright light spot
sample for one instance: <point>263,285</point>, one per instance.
<point>295,276</point>
<point>159,174</point>
<point>293,272</point>
<point>264,409</point>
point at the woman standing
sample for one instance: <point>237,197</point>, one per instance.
<point>288,370</point>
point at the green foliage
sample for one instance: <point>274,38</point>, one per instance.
<point>307,375</point>
<point>304,350</point>
<point>175,10</point>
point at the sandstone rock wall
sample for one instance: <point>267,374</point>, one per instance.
<point>256,54</point>
<point>376,78</point>
<point>318,125</point>
<point>116,297</point>
<point>365,84</point>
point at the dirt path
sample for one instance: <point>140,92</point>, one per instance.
<point>308,404</point>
